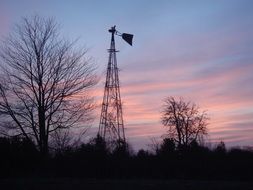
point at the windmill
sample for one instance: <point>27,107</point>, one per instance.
<point>111,125</point>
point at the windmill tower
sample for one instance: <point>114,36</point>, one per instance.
<point>111,126</point>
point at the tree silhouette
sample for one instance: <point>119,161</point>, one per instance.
<point>167,146</point>
<point>184,120</point>
<point>43,82</point>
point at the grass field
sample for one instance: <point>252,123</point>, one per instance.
<point>78,184</point>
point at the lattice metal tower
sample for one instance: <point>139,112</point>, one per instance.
<point>111,126</point>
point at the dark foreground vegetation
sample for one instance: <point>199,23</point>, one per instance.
<point>20,158</point>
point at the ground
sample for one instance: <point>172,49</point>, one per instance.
<point>78,184</point>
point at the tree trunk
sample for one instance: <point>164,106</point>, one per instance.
<point>43,135</point>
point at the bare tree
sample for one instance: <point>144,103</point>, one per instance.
<point>184,120</point>
<point>44,82</point>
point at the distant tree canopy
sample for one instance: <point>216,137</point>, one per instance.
<point>184,121</point>
<point>92,160</point>
<point>43,82</point>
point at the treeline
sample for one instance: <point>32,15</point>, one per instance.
<point>20,158</point>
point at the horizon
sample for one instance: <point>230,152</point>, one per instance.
<point>201,51</point>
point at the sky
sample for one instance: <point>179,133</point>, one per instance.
<point>199,50</point>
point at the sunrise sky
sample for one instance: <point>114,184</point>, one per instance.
<point>199,50</point>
